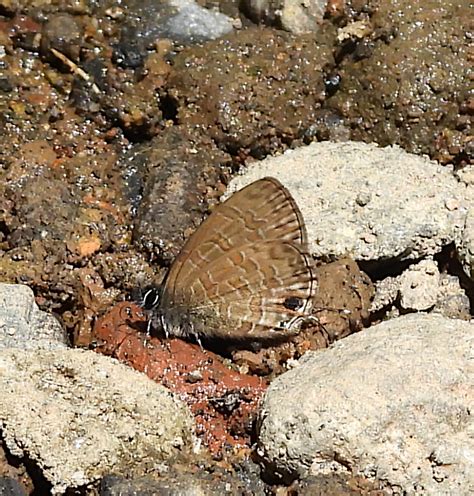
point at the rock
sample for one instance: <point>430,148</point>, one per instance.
<point>292,15</point>
<point>386,294</point>
<point>367,202</point>
<point>23,324</point>
<point>380,42</point>
<point>391,403</point>
<point>337,485</point>
<point>208,480</point>
<point>466,174</point>
<point>178,176</point>
<point>184,21</point>
<point>11,487</point>
<point>77,415</point>
<point>64,33</point>
<point>453,301</point>
<point>194,23</point>
<point>254,91</point>
<point>420,288</point>
<point>466,244</point>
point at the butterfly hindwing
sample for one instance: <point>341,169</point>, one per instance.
<point>253,290</point>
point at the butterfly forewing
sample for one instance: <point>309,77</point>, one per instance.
<point>245,272</point>
<point>263,210</point>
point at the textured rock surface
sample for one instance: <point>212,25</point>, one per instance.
<point>367,202</point>
<point>419,286</point>
<point>78,415</point>
<point>23,324</point>
<point>195,23</point>
<point>466,245</point>
<point>422,287</point>
<point>295,16</point>
<point>393,403</point>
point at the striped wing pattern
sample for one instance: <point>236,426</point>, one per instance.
<point>237,272</point>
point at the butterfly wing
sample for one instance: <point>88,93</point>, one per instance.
<point>263,210</point>
<point>252,292</point>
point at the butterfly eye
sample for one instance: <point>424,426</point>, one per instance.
<point>293,303</point>
<point>150,299</point>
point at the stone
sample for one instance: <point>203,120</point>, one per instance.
<point>78,415</point>
<point>392,403</point>
<point>421,287</point>
<point>23,324</point>
<point>406,212</point>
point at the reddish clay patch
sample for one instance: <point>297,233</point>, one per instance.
<point>224,401</point>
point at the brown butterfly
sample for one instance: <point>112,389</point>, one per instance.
<point>244,275</point>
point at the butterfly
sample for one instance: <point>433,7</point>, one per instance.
<point>244,275</point>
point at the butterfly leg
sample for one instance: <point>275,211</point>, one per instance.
<point>297,320</point>
<point>192,332</point>
<point>300,319</point>
<point>196,336</point>
<point>148,328</point>
<point>164,327</point>
<point>146,339</point>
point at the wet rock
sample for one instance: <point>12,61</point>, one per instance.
<point>208,480</point>
<point>130,52</point>
<point>223,401</point>
<point>78,415</point>
<point>49,209</point>
<point>294,16</point>
<point>11,487</point>
<point>404,77</point>
<point>338,485</point>
<point>421,287</point>
<point>58,211</point>
<point>252,93</point>
<point>23,32</point>
<point>62,32</point>
<point>328,125</point>
<point>6,85</point>
<point>36,219</point>
<point>194,23</point>
<point>180,20</point>
<point>24,325</point>
<point>180,168</point>
<point>133,104</point>
<point>370,203</point>
<point>391,403</point>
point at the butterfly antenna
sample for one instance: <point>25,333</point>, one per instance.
<point>325,332</point>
